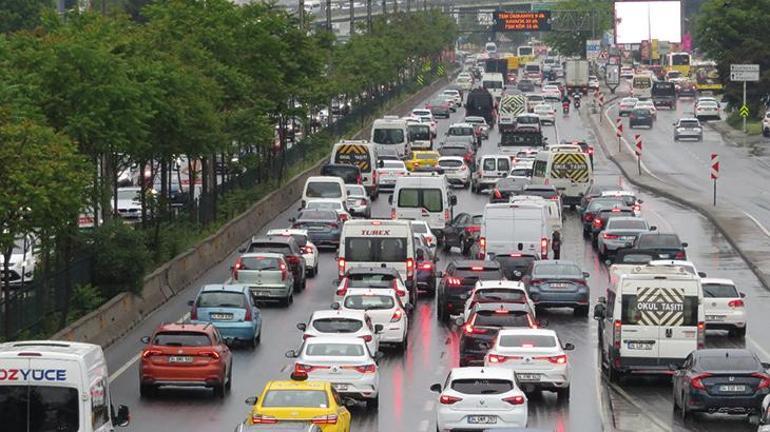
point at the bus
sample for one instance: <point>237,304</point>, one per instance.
<point>641,86</point>
<point>678,61</point>
<point>706,76</point>
<point>525,51</point>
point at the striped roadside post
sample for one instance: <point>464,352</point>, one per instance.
<point>715,173</point>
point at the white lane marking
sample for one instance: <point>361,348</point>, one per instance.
<point>756,345</point>
<point>663,221</point>
<point>753,219</point>
<point>423,425</point>
<point>115,375</point>
<point>594,328</point>
<point>624,141</point>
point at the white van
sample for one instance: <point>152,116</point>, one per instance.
<point>652,317</point>
<point>490,48</point>
<point>514,228</point>
<point>490,169</point>
<point>57,385</point>
<point>324,187</point>
<point>494,83</point>
<point>390,132</point>
<point>377,243</point>
<point>552,207</point>
<point>425,197</point>
<point>567,168</point>
<point>362,154</point>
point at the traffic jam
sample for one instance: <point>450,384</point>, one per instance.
<point>477,264</point>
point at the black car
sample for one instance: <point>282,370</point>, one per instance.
<point>462,231</point>
<point>601,218</point>
<point>558,283</point>
<point>515,265</point>
<point>458,280</point>
<point>504,189</point>
<point>484,322</point>
<point>666,245</point>
<point>640,117</point>
<point>594,192</point>
<point>291,251</point>
<point>350,174</point>
<point>595,207</point>
<point>729,381</point>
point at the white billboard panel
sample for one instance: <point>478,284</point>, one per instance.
<point>636,21</point>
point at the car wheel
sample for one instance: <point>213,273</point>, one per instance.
<point>303,284</point>
<point>676,138</point>
<point>467,185</point>
<point>373,404</point>
<point>683,409</point>
<point>219,390</point>
<point>288,300</point>
<point>441,314</point>
<point>404,344</point>
<point>563,394</point>
<point>229,384</point>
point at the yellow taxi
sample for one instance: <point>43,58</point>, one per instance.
<point>297,401</point>
<point>422,159</point>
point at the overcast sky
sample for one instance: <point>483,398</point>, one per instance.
<point>632,21</point>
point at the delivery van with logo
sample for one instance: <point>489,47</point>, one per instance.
<point>567,168</point>
<point>362,154</point>
<point>377,243</point>
<point>56,386</point>
<point>652,317</point>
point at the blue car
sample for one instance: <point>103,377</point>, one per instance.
<point>558,283</point>
<point>324,227</point>
<point>231,309</point>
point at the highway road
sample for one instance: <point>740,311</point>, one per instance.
<point>406,404</point>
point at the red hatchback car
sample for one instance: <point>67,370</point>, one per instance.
<point>187,355</point>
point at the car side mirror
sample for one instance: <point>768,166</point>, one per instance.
<point>459,321</point>
<point>435,388</point>
<point>293,219</point>
<point>586,275</point>
<point>390,199</point>
<point>568,347</point>
<point>335,306</point>
<point>453,200</point>
<point>301,326</point>
<point>379,355</point>
<point>291,354</point>
<point>742,294</point>
<point>653,228</point>
<point>674,123</point>
<point>378,328</point>
<point>123,417</point>
<point>242,250</point>
<point>702,274</point>
<point>517,273</point>
<point>145,339</point>
<point>251,401</point>
<point>685,244</point>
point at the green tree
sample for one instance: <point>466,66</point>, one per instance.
<point>732,32</point>
<point>22,14</point>
<point>574,22</point>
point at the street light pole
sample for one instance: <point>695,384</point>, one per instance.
<point>352,18</point>
<point>301,13</point>
<point>369,16</point>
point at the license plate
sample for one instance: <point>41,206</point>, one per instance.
<point>263,293</point>
<point>643,346</point>
<point>714,318</point>
<point>180,359</point>
<point>628,238</point>
<point>558,285</point>
<point>732,388</point>
<point>664,256</point>
<point>340,387</point>
<point>221,316</point>
<point>528,377</point>
<point>482,419</point>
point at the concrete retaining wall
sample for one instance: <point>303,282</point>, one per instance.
<point>121,313</point>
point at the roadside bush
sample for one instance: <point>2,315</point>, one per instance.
<point>85,298</point>
<point>121,258</point>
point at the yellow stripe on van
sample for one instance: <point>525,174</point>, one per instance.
<point>573,166</point>
<point>356,149</point>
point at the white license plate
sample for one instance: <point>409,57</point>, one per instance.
<point>482,419</point>
<point>664,256</point>
<point>221,316</point>
<point>340,387</point>
<point>642,346</point>
<point>715,318</point>
<point>528,377</point>
<point>180,359</point>
<point>732,388</point>
<point>558,285</point>
<point>263,293</point>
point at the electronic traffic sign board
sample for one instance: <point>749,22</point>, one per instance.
<point>522,21</point>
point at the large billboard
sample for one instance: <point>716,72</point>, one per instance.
<point>636,21</point>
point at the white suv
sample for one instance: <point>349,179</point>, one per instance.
<point>724,306</point>
<point>384,307</point>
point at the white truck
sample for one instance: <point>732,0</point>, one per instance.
<point>576,76</point>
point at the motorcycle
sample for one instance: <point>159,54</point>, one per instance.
<point>565,108</point>
<point>577,103</point>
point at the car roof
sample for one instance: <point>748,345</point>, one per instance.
<point>288,231</point>
<point>723,352</point>
<point>557,261</point>
<point>717,281</point>
<point>461,124</point>
<point>526,331</point>
<point>369,291</point>
<point>274,238</point>
<point>334,179</point>
<point>260,254</point>
<point>237,288</point>
<point>326,200</point>
<point>177,327</point>
<point>481,372</point>
<point>627,218</point>
<point>297,385</point>
<point>689,119</point>
<point>481,285</point>
<point>616,192</point>
<point>339,313</point>
<point>492,265</point>
<point>454,158</point>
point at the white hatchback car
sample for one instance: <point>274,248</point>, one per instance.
<point>385,308</point>
<point>456,170</point>
<point>536,355</point>
<point>343,361</point>
<point>724,306</point>
<point>329,204</point>
<point>309,250</point>
<point>374,279</point>
<point>546,113</point>
<point>422,228</point>
<point>480,398</point>
<point>500,291</point>
<point>342,323</point>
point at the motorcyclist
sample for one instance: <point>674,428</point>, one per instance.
<point>577,100</point>
<point>565,102</point>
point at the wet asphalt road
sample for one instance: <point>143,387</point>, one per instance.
<point>406,404</point>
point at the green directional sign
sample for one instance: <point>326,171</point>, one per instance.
<point>744,111</point>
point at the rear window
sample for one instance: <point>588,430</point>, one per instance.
<point>501,319</point>
<point>221,299</point>
<point>334,349</point>
<point>460,131</point>
<point>480,274</point>
<point>501,294</point>
<point>369,302</point>
<point>450,163</point>
<point>182,338</point>
<point>296,399</point>
<point>323,190</point>
<point>321,205</point>
<point>659,241</point>
<point>734,364</point>
<point>337,325</point>
<point>391,164</point>
<point>429,199</point>
<point>688,124</point>
<point>260,263</point>
<point>319,213</point>
<point>560,270</point>
<point>348,173</point>
<point>714,290</point>
<point>388,249</point>
<point>527,341</point>
<point>419,132</point>
<point>521,172</point>
<point>452,151</point>
<point>627,224</point>
<point>356,191</point>
<point>598,204</point>
<point>489,164</point>
<point>388,136</point>
<point>668,309</point>
<point>39,408</point>
<point>270,247</point>
<point>475,386</point>
<point>509,264</point>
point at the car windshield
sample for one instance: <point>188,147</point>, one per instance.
<point>369,302</point>
<point>317,215</point>
<point>659,240</point>
<point>450,163</point>
<point>392,164</point>
<point>129,194</point>
<point>564,270</point>
<point>388,136</point>
<point>688,124</point>
<point>334,350</point>
<point>221,299</point>
<point>598,204</point>
<point>38,408</point>
<point>732,363</point>
<point>325,189</point>
<point>295,399</point>
<point>182,338</point>
<point>718,290</point>
<point>453,151</point>
<point>626,224</point>
<point>259,263</point>
<point>322,205</point>
<point>460,131</point>
<point>527,120</point>
<point>500,294</point>
<point>356,191</point>
<point>337,325</point>
<point>419,228</point>
<point>527,341</point>
<point>481,386</point>
<point>501,318</point>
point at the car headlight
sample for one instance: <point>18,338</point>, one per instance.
<point>680,129</point>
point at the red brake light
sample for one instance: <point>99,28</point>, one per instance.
<point>472,229</point>
<point>544,248</point>
<point>497,358</point>
<point>409,268</point>
<point>696,382</point>
<point>397,289</point>
<point>453,281</point>
<point>765,380</point>
<point>448,400</point>
<point>482,245</point>
<point>680,255</point>
<point>397,314</point>
<point>293,259</point>
<point>284,272</point>
<point>370,368</point>
<point>212,354</point>
<point>237,266</point>
<point>497,194</point>
<point>557,359</point>
<point>616,334</point>
<point>307,250</point>
<point>366,338</point>
<point>341,266</point>
<point>597,223</point>
<point>149,353</point>
<point>701,335</point>
<point>342,290</point>
<point>359,180</point>
<point>325,419</point>
<point>735,303</point>
<point>263,419</point>
<point>426,266</point>
<point>469,329</point>
<point>608,236</point>
<point>247,316</point>
<point>515,400</point>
